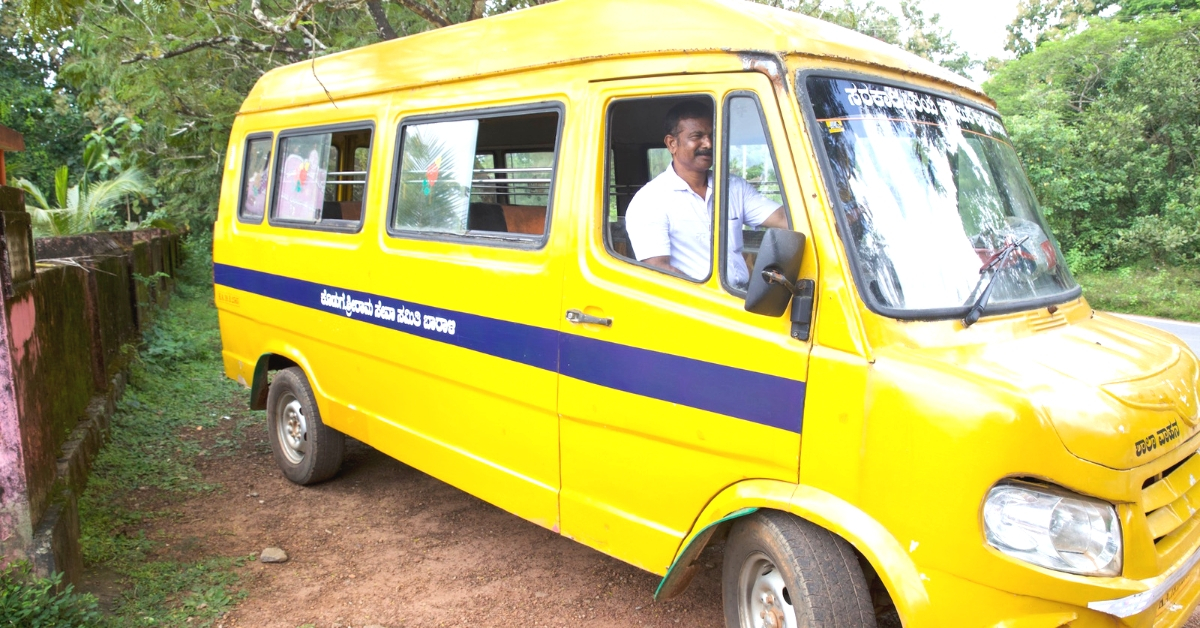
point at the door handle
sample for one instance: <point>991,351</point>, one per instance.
<point>578,317</point>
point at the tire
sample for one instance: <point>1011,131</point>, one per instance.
<point>306,450</point>
<point>783,572</point>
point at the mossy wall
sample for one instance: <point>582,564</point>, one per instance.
<point>52,368</point>
<point>69,329</point>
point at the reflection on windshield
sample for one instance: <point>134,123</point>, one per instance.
<point>929,191</point>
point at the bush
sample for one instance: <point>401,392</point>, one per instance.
<point>1159,240</point>
<point>29,602</point>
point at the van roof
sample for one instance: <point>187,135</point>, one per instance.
<point>575,30</point>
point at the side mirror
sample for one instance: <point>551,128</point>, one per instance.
<point>773,283</point>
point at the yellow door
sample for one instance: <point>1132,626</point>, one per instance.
<point>669,390</point>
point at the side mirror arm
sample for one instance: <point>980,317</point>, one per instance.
<point>802,301</point>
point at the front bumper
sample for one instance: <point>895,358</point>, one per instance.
<point>1169,590</point>
<point>960,603</point>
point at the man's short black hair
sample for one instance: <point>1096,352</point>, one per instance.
<point>687,110</point>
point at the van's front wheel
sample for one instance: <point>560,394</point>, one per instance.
<point>306,450</point>
<point>783,572</point>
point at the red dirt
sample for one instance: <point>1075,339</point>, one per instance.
<point>384,544</point>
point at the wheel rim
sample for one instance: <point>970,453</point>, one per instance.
<point>764,601</point>
<point>292,429</point>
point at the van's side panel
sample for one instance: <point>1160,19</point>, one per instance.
<point>453,405</point>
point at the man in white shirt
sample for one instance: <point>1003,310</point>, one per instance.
<point>670,219</point>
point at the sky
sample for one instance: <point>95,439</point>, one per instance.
<point>977,25</point>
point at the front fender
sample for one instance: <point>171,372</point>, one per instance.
<point>885,554</point>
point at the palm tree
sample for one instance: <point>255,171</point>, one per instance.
<point>79,206</point>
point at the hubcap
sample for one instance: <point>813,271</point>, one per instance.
<point>765,601</point>
<point>293,429</point>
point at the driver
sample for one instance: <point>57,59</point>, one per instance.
<point>670,219</point>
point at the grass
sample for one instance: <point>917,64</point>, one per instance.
<point>38,603</point>
<point>1164,292</point>
<point>177,389</point>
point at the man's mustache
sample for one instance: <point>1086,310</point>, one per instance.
<point>704,152</point>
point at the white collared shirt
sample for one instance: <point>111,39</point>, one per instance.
<point>667,218</point>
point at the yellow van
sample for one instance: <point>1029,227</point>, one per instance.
<point>488,251</point>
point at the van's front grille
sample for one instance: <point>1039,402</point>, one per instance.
<point>1171,501</point>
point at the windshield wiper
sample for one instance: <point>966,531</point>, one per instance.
<point>988,274</point>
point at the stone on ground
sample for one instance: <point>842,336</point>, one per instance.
<point>273,555</point>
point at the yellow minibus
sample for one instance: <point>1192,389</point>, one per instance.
<point>663,274</point>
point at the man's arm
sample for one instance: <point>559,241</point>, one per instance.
<point>757,209</point>
<point>663,262</point>
<point>777,219</point>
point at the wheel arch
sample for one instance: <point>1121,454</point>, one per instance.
<point>885,554</point>
<point>267,362</point>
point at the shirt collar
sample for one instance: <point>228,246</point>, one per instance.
<point>677,183</point>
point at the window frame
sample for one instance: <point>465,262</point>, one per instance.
<point>723,212</point>
<point>320,130</point>
<point>261,135</point>
<point>610,171</point>
<point>506,240</point>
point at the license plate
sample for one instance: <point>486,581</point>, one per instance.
<point>1173,601</point>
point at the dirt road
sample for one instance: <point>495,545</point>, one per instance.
<point>384,544</point>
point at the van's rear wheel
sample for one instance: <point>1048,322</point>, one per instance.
<point>783,572</point>
<point>306,450</point>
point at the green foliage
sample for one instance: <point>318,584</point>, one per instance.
<point>81,208</point>
<point>912,29</point>
<point>177,389</point>
<point>35,105</point>
<point>1167,292</point>
<point>1108,125</point>
<point>30,602</point>
<point>137,62</point>
<point>1040,21</point>
<point>1137,8</point>
<point>181,594</point>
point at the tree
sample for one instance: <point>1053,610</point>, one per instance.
<point>912,30</point>
<point>183,67</point>
<point>35,104</point>
<point>81,208</point>
<point>1040,21</point>
<point>1108,124</point>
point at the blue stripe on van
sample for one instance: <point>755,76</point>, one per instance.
<point>526,344</point>
<point>757,397</point>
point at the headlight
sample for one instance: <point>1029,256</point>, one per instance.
<point>1054,529</point>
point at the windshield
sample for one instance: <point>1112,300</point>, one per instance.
<point>928,191</point>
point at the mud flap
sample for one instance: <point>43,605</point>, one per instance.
<point>258,385</point>
<point>684,568</point>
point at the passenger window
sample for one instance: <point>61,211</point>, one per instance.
<point>533,170</point>
<point>489,176</point>
<point>753,195</point>
<point>322,178</point>
<point>485,169</point>
<point>658,160</point>
<point>253,202</point>
<point>652,216</point>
